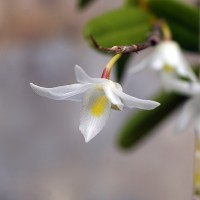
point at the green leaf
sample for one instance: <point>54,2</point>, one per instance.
<point>176,11</point>
<point>126,36</point>
<point>141,124</point>
<point>188,39</point>
<point>183,21</point>
<point>122,26</point>
<point>84,3</point>
<point>121,66</point>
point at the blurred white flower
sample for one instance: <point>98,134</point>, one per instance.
<point>191,109</point>
<point>167,57</point>
<point>98,95</point>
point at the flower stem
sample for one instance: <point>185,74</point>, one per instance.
<point>109,66</point>
<point>196,189</point>
<point>167,35</point>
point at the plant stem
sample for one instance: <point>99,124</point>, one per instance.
<point>167,35</point>
<point>109,66</point>
<point>153,39</point>
<point>196,189</point>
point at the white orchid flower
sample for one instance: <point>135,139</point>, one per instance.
<point>191,109</point>
<point>167,57</point>
<point>98,96</point>
<point>189,114</point>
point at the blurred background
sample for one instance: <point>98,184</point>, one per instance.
<point>43,155</point>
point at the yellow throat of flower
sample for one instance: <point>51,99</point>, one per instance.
<point>168,68</point>
<point>99,105</point>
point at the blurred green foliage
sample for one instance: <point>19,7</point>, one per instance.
<point>187,38</point>
<point>183,20</point>
<point>140,124</point>
<point>122,26</point>
<point>176,11</point>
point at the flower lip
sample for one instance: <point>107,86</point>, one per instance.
<point>95,112</point>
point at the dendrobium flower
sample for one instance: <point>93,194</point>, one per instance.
<point>191,109</point>
<point>167,57</point>
<point>98,96</point>
<point>190,113</point>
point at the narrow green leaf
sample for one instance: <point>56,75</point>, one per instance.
<point>140,124</point>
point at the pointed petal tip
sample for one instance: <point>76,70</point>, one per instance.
<point>82,130</point>
<point>81,75</point>
<point>33,86</point>
<point>154,104</point>
<point>77,70</point>
<point>77,67</point>
<point>37,89</point>
<point>157,104</point>
<point>121,107</point>
<point>86,136</point>
<point>88,133</point>
<point>87,139</point>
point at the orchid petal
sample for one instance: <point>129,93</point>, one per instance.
<point>140,66</point>
<point>132,102</point>
<point>95,113</point>
<point>171,83</point>
<point>165,54</point>
<point>170,51</point>
<point>72,92</point>
<point>187,115</point>
<point>172,56</point>
<point>82,76</point>
<point>156,63</point>
<point>184,69</point>
<point>114,99</point>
